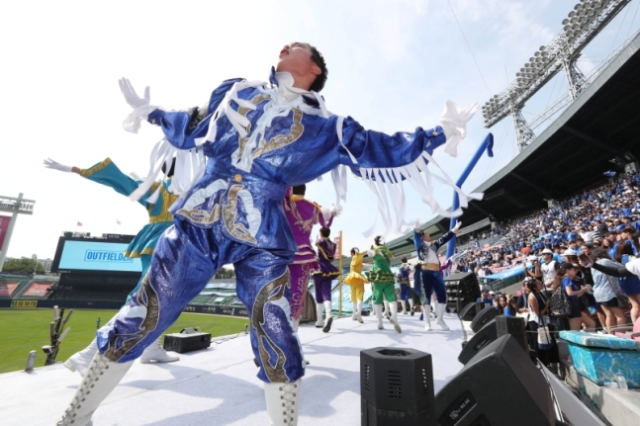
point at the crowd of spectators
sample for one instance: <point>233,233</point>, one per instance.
<point>554,247</point>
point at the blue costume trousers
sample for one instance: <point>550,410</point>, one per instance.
<point>432,281</point>
<point>184,260</point>
<point>405,292</point>
<point>417,281</point>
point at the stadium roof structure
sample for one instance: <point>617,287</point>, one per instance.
<point>600,126</point>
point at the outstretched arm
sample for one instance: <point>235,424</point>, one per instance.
<point>181,128</point>
<point>614,271</point>
<point>105,173</point>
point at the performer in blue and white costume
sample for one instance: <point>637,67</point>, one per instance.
<point>156,201</point>
<point>259,139</point>
<point>430,274</point>
<point>405,286</point>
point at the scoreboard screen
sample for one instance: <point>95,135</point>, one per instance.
<point>92,255</point>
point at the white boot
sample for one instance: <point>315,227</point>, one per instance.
<point>405,310</point>
<point>359,312</point>
<point>101,378</point>
<point>378,309</point>
<point>155,353</point>
<point>319,321</point>
<point>296,324</point>
<point>282,402</point>
<point>412,309</point>
<point>394,316</point>
<point>387,310</point>
<point>329,319</point>
<point>427,317</point>
<point>440,316</point>
<point>80,360</point>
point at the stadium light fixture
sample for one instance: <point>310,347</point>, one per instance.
<point>586,19</point>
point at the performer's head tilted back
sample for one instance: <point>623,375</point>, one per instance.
<point>355,251</point>
<point>379,240</point>
<point>305,64</point>
<point>426,236</point>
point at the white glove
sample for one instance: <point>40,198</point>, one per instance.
<point>455,228</point>
<point>417,223</point>
<point>370,253</point>
<point>454,121</point>
<point>336,210</point>
<point>131,96</point>
<point>50,164</point>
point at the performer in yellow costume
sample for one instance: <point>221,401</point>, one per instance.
<point>356,281</point>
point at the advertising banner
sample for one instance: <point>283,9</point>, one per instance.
<point>24,303</point>
<point>4,226</point>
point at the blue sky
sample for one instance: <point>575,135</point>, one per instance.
<point>392,65</point>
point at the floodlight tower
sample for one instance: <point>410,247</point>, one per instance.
<point>584,22</point>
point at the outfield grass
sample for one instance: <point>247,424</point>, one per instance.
<point>24,330</point>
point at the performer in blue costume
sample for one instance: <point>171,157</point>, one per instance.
<point>405,286</point>
<point>160,218</point>
<point>259,139</point>
<point>431,276</point>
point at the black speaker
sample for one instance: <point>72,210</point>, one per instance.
<point>515,327</point>
<point>468,312</point>
<point>499,386</point>
<point>463,286</point>
<point>183,342</point>
<point>483,317</point>
<point>482,338</point>
<point>396,388</point>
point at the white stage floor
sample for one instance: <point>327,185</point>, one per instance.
<point>219,386</point>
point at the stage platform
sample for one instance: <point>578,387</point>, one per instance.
<point>219,386</point>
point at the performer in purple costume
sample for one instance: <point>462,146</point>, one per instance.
<point>259,138</point>
<point>322,279</point>
<point>302,215</point>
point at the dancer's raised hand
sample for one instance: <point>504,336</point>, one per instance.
<point>130,95</point>
<point>51,164</point>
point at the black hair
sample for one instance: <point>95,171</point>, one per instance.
<point>377,240</point>
<point>318,59</point>
<point>325,232</point>
<point>171,169</point>
<point>354,251</point>
<point>404,259</point>
<point>299,190</point>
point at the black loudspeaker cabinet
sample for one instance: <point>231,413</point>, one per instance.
<point>499,386</point>
<point>468,312</point>
<point>515,327</point>
<point>483,317</point>
<point>479,341</point>
<point>462,285</point>
<point>183,342</point>
<point>396,388</point>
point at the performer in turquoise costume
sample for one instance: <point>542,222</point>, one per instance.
<point>157,201</point>
<point>258,138</point>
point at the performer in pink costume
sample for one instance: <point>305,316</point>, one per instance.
<point>302,215</point>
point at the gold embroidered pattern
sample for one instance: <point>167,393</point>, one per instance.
<point>230,215</point>
<point>282,140</point>
<point>292,206</point>
<point>94,169</point>
<point>243,111</point>
<point>276,374</point>
<point>148,298</point>
<point>202,216</point>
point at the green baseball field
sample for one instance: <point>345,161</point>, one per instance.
<point>24,330</point>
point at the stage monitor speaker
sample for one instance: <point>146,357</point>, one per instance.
<point>483,317</point>
<point>468,312</point>
<point>482,338</point>
<point>396,388</point>
<point>499,386</point>
<point>515,327</point>
<point>463,286</point>
<point>183,342</point>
